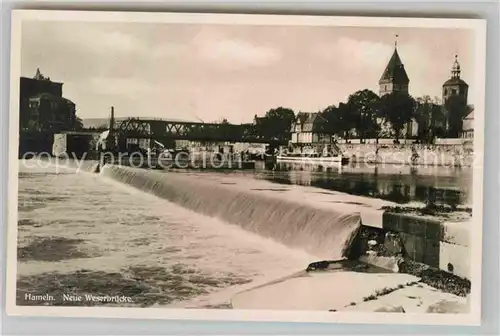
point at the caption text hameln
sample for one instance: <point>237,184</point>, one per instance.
<point>80,298</point>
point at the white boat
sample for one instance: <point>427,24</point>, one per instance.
<point>313,159</point>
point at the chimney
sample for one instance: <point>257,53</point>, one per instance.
<point>110,141</point>
<point>112,120</point>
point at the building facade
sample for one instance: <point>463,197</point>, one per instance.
<point>468,126</point>
<point>43,107</point>
<point>309,128</point>
<point>50,112</point>
<point>309,134</point>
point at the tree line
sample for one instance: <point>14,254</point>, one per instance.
<point>365,115</point>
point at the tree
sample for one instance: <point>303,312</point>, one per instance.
<point>346,119</point>
<point>331,115</point>
<point>430,118</point>
<point>397,108</point>
<point>456,110</point>
<point>364,106</point>
<point>275,124</point>
<point>339,120</point>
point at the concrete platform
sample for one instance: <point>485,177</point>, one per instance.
<point>319,291</point>
<point>417,298</point>
<point>351,291</point>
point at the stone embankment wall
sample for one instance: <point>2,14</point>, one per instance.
<point>439,244</point>
<point>417,154</point>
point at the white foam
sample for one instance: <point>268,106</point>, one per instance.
<point>113,219</point>
<point>321,230</point>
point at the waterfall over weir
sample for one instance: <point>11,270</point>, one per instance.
<point>324,232</point>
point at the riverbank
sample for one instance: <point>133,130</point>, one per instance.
<point>449,213</point>
<point>410,154</point>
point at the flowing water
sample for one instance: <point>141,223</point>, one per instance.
<point>325,232</point>
<point>76,230</point>
<point>195,239</point>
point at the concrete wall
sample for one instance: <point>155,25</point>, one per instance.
<point>75,144</point>
<point>435,155</point>
<point>373,141</point>
<point>59,146</point>
<point>442,245</point>
<point>450,141</point>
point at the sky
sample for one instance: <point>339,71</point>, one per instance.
<point>209,72</point>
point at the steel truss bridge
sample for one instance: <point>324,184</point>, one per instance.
<point>162,130</point>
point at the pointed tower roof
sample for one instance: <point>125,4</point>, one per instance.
<point>455,70</point>
<point>394,71</point>
<point>455,75</point>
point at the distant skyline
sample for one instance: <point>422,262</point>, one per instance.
<point>210,72</point>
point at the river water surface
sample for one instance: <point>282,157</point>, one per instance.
<point>80,232</point>
<point>83,233</point>
<point>400,184</point>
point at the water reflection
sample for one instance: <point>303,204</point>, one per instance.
<point>440,185</point>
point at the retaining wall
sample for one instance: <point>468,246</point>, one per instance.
<point>439,244</point>
<point>435,155</point>
<point>75,144</point>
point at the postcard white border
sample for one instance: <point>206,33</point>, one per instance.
<point>471,318</point>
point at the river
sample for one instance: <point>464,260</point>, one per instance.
<point>399,184</point>
<point>81,232</point>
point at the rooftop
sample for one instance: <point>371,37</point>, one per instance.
<point>455,81</point>
<point>310,122</point>
<point>394,71</point>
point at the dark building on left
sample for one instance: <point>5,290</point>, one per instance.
<point>43,107</point>
<point>43,112</point>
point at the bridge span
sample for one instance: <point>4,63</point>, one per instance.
<point>125,134</point>
<point>158,129</point>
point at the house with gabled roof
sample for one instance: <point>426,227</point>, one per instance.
<point>309,128</point>
<point>309,134</point>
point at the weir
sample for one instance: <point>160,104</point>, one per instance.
<point>324,232</point>
<point>327,225</point>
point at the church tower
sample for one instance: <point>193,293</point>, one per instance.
<point>455,101</point>
<point>455,86</point>
<point>394,78</point>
